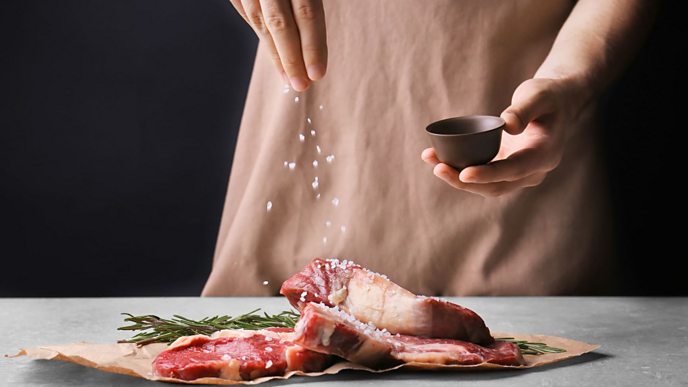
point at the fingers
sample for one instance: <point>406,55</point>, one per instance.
<point>253,13</point>
<point>240,8</point>
<point>310,19</point>
<point>451,177</point>
<point>531,101</point>
<point>516,166</point>
<point>280,22</point>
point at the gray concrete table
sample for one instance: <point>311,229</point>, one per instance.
<point>644,340</point>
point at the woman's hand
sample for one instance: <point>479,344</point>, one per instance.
<point>294,32</point>
<point>540,111</point>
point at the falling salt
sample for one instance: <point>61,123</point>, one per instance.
<point>342,228</point>
<point>268,364</point>
<point>321,107</point>
<point>317,148</point>
<point>309,120</point>
<point>315,163</point>
<point>266,283</point>
<point>328,223</point>
<point>296,99</point>
<point>335,202</point>
<point>313,132</point>
<point>268,206</point>
<point>315,183</point>
<point>292,165</point>
<point>286,164</point>
<point>317,197</point>
<point>324,240</point>
<point>329,159</point>
<point>302,137</point>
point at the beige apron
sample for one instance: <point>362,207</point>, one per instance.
<point>394,67</point>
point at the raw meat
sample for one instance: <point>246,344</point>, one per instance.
<point>333,331</point>
<point>237,355</point>
<point>371,297</point>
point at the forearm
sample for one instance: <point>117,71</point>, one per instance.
<point>596,43</point>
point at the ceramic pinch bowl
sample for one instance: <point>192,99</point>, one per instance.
<point>464,141</point>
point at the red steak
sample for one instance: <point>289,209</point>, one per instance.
<point>237,355</point>
<point>371,297</point>
<point>333,331</point>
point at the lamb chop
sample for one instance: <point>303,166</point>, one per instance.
<point>333,331</point>
<point>237,355</point>
<point>373,298</point>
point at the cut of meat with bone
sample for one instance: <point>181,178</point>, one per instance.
<point>237,355</point>
<point>330,330</point>
<point>371,297</point>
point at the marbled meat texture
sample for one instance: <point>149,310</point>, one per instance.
<point>237,355</point>
<point>333,331</point>
<point>371,297</point>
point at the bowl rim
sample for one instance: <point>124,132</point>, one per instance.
<point>471,116</point>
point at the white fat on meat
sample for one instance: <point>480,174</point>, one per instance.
<point>372,297</point>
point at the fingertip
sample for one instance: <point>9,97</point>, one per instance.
<point>514,125</point>
<point>444,171</point>
<point>316,71</point>
<point>469,175</point>
<point>298,83</point>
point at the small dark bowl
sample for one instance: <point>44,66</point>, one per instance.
<point>464,141</point>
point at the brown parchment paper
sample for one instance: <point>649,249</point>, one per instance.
<point>128,359</point>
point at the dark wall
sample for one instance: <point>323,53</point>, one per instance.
<point>116,138</point>
<point>117,126</point>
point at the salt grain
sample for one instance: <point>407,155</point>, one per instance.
<point>226,357</point>
<point>266,283</point>
<point>329,159</point>
<point>313,132</point>
<point>317,148</point>
<point>335,202</point>
<point>324,240</point>
<point>309,120</point>
<point>286,164</point>
<point>328,223</point>
<point>302,137</point>
<point>342,228</point>
<point>268,364</point>
<point>268,338</point>
<point>315,183</point>
<point>317,197</point>
<point>303,297</point>
<point>315,163</point>
<point>292,165</point>
<point>296,99</point>
<point>268,206</point>
<point>268,349</point>
<point>321,107</point>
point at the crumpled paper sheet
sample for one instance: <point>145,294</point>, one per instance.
<point>128,359</point>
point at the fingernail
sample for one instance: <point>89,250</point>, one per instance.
<point>299,84</point>
<point>315,72</point>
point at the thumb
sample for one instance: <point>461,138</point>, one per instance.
<point>532,100</point>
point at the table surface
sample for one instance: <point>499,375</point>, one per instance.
<point>644,340</point>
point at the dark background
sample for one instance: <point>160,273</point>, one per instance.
<point>117,129</point>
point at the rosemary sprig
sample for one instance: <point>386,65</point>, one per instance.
<point>159,330</point>
<point>154,329</point>
<point>530,348</point>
